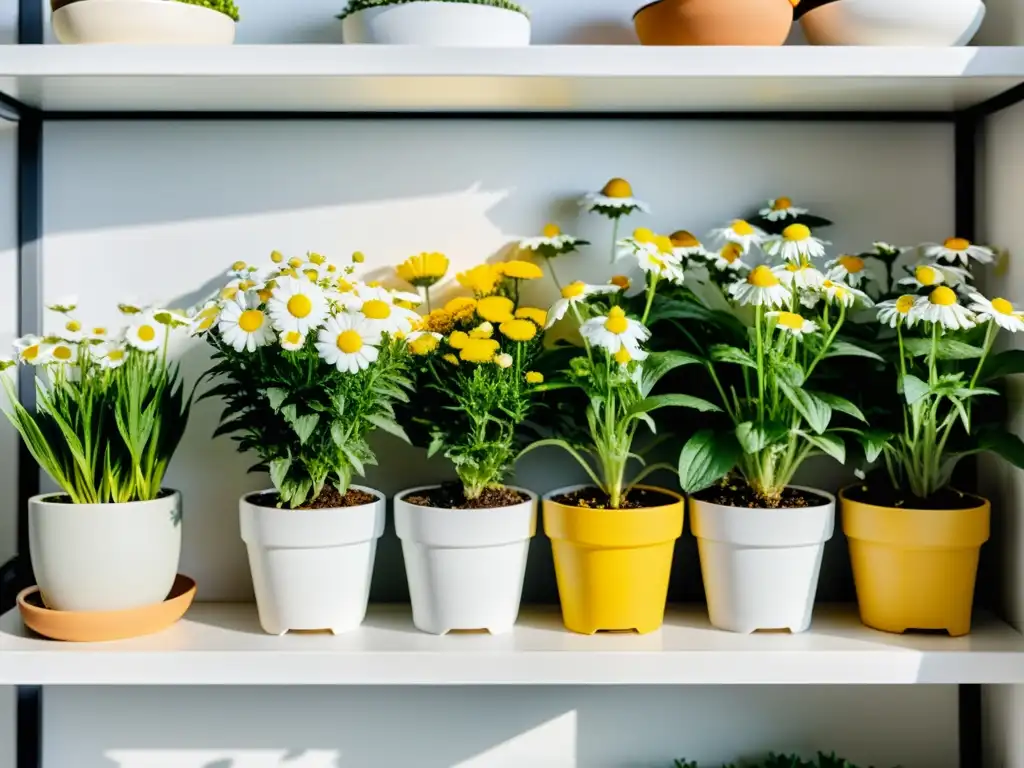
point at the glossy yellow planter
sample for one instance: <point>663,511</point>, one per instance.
<point>613,565</point>
<point>915,568</point>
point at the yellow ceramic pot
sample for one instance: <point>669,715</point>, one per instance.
<point>915,568</point>
<point>613,565</point>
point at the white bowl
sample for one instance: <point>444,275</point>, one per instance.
<point>894,22</point>
<point>142,22</point>
<point>437,23</point>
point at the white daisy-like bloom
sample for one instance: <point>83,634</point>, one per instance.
<point>378,306</point>
<point>172,318</point>
<point>30,349</point>
<point>780,209</point>
<point>131,306</point>
<point>62,353</point>
<point>654,254</point>
<point>576,293</point>
<point>244,326</point>
<point>504,360</point>
<point>999,311</point>
<point>146,334</point>
<point>728,257</point>
<point>802,275</point>
<point>98,333</point>
<point>841,293</point>
<point>615,332</point>
<point>741,232</point>
<point>72,331</point>
<point>795,244</point>
<point>64,304</point>
<point>109,355</point>
<point>291,341</point>
<point>552,242</point>
<point>930,275</point>
<point>348,342</point>
<point>296,305</point>
<point>941,306</point>
<point>957,249</point>
<point>762,287</point>
<point>614,200</point>
<point>685,246</point>
<point>883,248</point>
<point>853,270</point>
<point>204,318</point>
<point>898,311</point>
<point>791,322</point>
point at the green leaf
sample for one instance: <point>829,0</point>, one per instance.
<point>278,469</point>
<point>662,401</point>
<point>1004,444</point>
<point>707,457</point>
<point>357,465</point>
<point>723,353</point>
<point>815,411</point>
<point>846,349</point>
<point>658,364</point>
<point>436,444</point>
<point>830,445</point>
<point>338,434</point>
<point>754,437</point>
<point>913,388</point>
<point>789,372</point>
<point>388,425</point>
<point>1003,364</point>
<point>290,413</point>
<point>304,426</point>
<point>874,441</point>
<point>947,349</point>
<point>842,405</point>
<point>276,396</point>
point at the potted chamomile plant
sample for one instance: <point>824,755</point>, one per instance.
<point>145,22</point>
<point>613,538</point>
<point>465,543</point>
<point>477,23</point>
<point>110,412</point>
<point>915,539</point>
<point>309,362</point>
<point>760,537</point>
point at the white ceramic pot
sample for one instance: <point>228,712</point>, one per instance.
<point>894,22</point>
<point>104,557</point>
<point>760,566</point>
<point>465,566</point>
<point>142,22</point>
<point>438,23</point>
<point>311,568</point>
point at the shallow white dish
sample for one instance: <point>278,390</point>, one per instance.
<point>437,23</point>
<point>141,22</point>
<point>894,22</point>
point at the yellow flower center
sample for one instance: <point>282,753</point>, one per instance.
<point>62,352</point>
<point>294,262</point>
<point>264,295</point>
<point>99,330</point>
<point>238,266</point>
<point>229,293</point>
<point>617,188</point>
<point>731,251</point>
<point>251,320</point>
<point>291,337</point>
<point>375,309</point>
<point>643,235</point>
<point>684,239</point>
<point>316,258</point>
<point>551,230</point>
<point>312,274</point>
<point>796,232</point>
<point>73,325</point>
<point>1002,306</point>
<point>147,333</point>
<point>358,257</point>
<point>781,204</point>
<point>927,275</point>
<point>277,257</point>
<point>621,281</point>
<point>790,320</point>
<point>574,290</point>
<point>616,322</point>
<point>664,244</point>
<point>245,285</point>
<point>349,342</point>
<point>622,356</point>
<point>852,264</point>
<point>115,355</point>
<point>762,277</point>
<point>741,227</point>
<point>942,296</point>
<point>905,303</point>
<point>31,353</point>
<point>299,306</point>
<point>957,244</point>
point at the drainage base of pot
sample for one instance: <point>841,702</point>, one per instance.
<point>503,630</point>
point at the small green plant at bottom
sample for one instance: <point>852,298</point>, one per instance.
<point>783,761</point>
<point>227,7</point>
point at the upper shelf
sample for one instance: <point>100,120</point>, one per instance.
<point>558,79</point>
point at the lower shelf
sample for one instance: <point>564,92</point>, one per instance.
<point>222,644</point>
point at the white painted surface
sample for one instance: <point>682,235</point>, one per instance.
<point>433,23</point>
<point>546,79</point>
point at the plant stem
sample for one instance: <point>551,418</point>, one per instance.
<point>551,269</point>
<point>760,363</point>
<point>426,295</point>
<point>650,297</point>
<point>615,236</point>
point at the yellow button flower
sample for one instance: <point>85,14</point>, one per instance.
<point>479,351</point>
<point>496,309</point>
<point>534,314</point>
<point>518,330</point>
<point>423,344</point>
<point>520,270</point>
<point>481,280</point>
<point>423,270</point>
<point>532,377</point>
<point>458,340</point>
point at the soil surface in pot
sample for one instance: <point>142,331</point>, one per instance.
<point>595,498</point>
<point>63,498</point>
<point>329,498</point>
<point>451,496</point>
<point>733,494</point>
<point>884,496</point>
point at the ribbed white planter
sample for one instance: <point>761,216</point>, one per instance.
<point>465,566</point>
<point>141,22</point>
<point>438,23</point>
<point>104,557</point>
<point>311,568</point>
<point>894,22</point>
<point>760,566</point>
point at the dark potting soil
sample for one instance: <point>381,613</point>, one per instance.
<point>451,496</point>
<point>885,496</point>
<point>595,498</point>
<point>739,494</point>
<point>63,498</point>
<point>329,498</point>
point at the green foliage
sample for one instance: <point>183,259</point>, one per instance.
<point>783,761</point>
<point>362,5</point>
<point>227,7</point>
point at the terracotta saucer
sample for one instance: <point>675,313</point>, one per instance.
<point>97,626</point>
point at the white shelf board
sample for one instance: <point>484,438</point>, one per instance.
<point>222,644</point>
<point>332,78</point>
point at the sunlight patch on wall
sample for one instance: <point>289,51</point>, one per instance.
<point>552,745</point>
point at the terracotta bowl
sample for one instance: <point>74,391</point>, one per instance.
<point>714,22</point>
<point>97,626</point>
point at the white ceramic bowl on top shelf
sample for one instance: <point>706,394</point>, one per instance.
<point>933,23</point>
<point>141,22</point>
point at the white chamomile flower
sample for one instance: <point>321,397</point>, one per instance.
<point>741,232</point>
<point>292,341</point>
<point>802,275</point>
<point>728,257</point>
<point>614,200</point>
<point>931,275</point>
<point>98,333</point>
<point>791,322</point>
<point>242,271</point>
<point>899,311</point>
<point>31,350</point>
<point>957,249</point>
<point>574,293</point>
<point>780,209</point>
<point>854,270</point>
<point>615,332</point>
<point>204,318</point>
<point>841,293</point>
<point>378,307</point>
<point>941,306</point>
<point>296,305</point>
<point>796,244</point>
<point>109,355</point>
<point>72,331</point>
<point>653,253</point>
<point>686,246</point>
<point>504,360</point>
<point>347,342</point>
<point>762,287</point>
<point>62,352</point>
<point>146,334</point>
<point>999,311</point>
<point>172,318</point>
<point>64,304</point>
<point>883,248</point>
<point>245,326</point>
<point>131,306</point>
<point>552,242</point>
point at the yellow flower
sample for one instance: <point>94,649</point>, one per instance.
<point>423,270</point>
<point>643,235</point>
<point>479,351</point>
<point>551,230</point>
<point>294,262</point>
<point>538,316</point>
<point>459,304</point>
<point>496,309</point>
<point>617,188</point>
<point>621,281</point>
<point>458,340</point>
<point>238,266</point>
<point>622,357</point>
<point>518,330</point>
<point>482,331</point>
<point>481,280</point>
<point>423,345</point>
<point>438,321</point>
<point>451,359</point>
<point>276,256</point>
<point>358,257</point>
<point>520,270</point>
<point>532,377</point>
